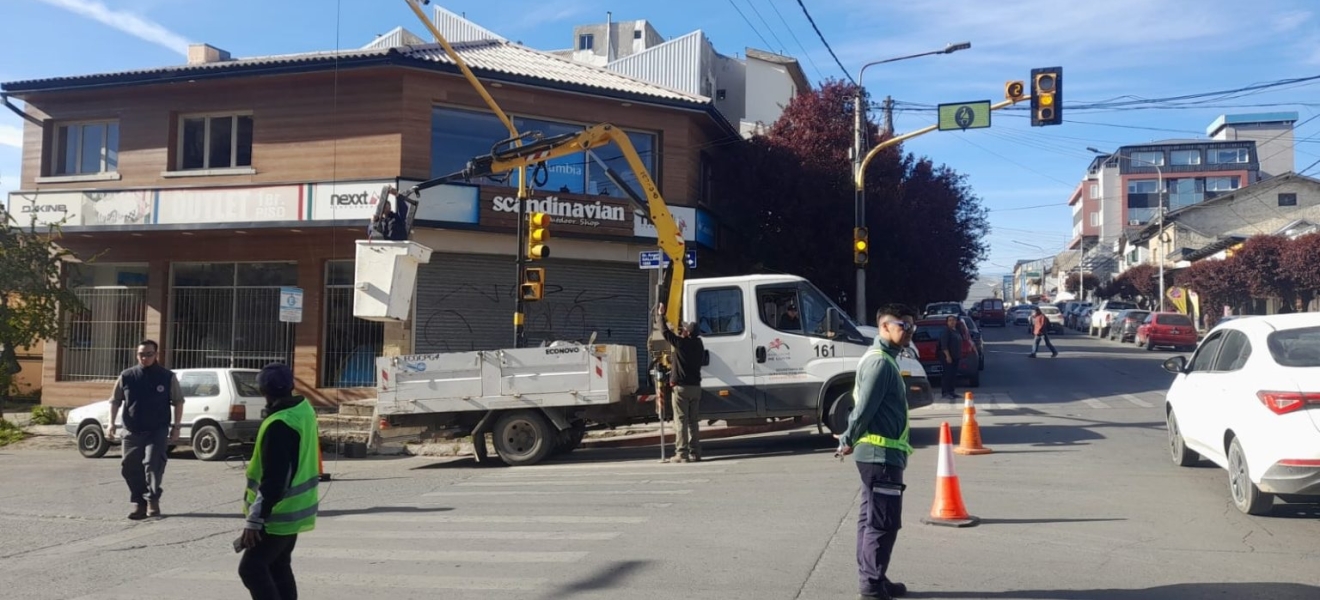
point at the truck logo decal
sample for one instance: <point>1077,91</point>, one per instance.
<point>415,367</point>
<point>570,350</point>
<point>777,344</point>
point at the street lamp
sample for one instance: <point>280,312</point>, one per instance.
<point>1159,198</point>
<point>859,196</point>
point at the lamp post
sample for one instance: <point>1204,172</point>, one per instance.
<point>1159,199</point>
<point>859,196</point>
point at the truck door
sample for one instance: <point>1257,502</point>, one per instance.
<point>793,355</point>
<point>726,378</point>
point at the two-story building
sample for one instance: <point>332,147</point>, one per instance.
<point>201,195</point>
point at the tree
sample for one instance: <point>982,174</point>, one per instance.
<point>788,197</point>
<point>1219,283</point>
<point>1144,279</point>
<point>1261,258</point>
<point>1301,259</point>
<point>32,293</point>
<point>1089,280</point>
<point>1122,287</point>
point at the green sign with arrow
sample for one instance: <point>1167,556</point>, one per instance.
<point>964,115</point>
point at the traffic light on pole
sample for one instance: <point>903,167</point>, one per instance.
<point>861,245</point>
<point>538,232</point>
<point>533,283</point>
<point>1046,96</point>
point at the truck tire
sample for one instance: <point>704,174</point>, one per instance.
<point>92,442</point>
<point>524,437</point>
<point>837,417</point>
<point>209,443</point>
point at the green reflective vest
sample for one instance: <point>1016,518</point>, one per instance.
<point>901,444</point>
<point>296,512</point>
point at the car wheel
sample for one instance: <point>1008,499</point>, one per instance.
<point>839,411</point>
<point>1150,345</point>
<point>524,437</point>
<point>92,442</point>
<point>1177,448</point>
<point>209,443</point>
<point>1246,496</point>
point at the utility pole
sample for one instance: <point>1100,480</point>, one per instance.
<point>889,116</point>
<point>859,201</point>
<point>519,316</point>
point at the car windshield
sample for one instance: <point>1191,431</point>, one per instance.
<point>1296,347</point>
<point>1137,314</point>
<point>928,333</point>
<point>1118,305</point>
<point>246,384</point>
<point>945,308</point>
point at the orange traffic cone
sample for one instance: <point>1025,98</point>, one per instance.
<point>948,509</point>
<point>971,432</point>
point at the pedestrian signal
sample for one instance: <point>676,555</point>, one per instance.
<point>533,283</point>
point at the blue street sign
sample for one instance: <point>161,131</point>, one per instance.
<point>654,259</point>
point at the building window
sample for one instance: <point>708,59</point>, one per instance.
<point>458,135</point>
<point>1095,219</point>
<point>1219,156</point>
<point>227,315</point>
<point>86,148</point>
<point>1146,159</point>
<point>1287,199</point>
<point>1221,184</point>
<point>1095,191</point>
<point>1183,158</point>
<point>215,142</point>
<point>720,311</point>
<point>104,335</point>
<point>1143,186</point>
<point>350,345</point>
<point>637,34</point>
<point>1185,192</point>
<point>586,41</point>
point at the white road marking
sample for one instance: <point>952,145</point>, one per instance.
<point>1093,403</point>
<point>1137,401</point>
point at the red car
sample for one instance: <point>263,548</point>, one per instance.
<point>927,339</point>
<point>1167,329</point>
<point>991,312</point>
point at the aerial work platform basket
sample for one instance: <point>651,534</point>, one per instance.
<point>384,278</point>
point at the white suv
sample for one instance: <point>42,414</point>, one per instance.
<point>1103,316</point>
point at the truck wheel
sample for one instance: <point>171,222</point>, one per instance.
<point>837,418</point>
<point>209,443</point>
<point>92,442</point>
<point>524,437</point>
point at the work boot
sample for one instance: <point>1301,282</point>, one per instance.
<point>153,508</point>
<point>139,512</point>
<point>894,589</point>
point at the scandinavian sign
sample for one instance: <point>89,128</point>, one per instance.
<point>569,213</point>
<point>291,305</point>
<point>964,115</point>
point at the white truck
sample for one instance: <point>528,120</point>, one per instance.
<point>1102,317</point>
<point>760,365</point>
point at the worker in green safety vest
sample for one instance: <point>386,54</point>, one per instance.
<point>281,498</point>
<point>877,438</point>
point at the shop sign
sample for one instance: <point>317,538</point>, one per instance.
<point>695,224</point>
<point>448,203</point>
<point>706,229</point>
<point>230,205</point>
<point>570,213</point>
<point>353,200</point>
<point>83,208</point>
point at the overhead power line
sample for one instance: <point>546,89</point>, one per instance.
<point>749,24</point>
<point>782,45</point>
<point>793,34</point>
<point>827,44</point>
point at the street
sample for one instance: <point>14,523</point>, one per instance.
<point>1079,500</point>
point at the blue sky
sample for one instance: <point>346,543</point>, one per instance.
<point>1144,48</point>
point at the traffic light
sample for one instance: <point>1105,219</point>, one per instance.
<point>861,245</point>
<point>533,283</point>
<point>538,231</point>
<point>1046,96</point>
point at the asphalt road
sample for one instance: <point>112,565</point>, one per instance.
<point>1079,501</point>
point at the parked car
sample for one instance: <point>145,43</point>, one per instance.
<point>1021,314</point>
<point>1249,401</point>
<point>221,407</point>
<point>1167,329</point>
<point>919,392</point>
<point>1072,316</point>
<point>1103,316</point>
<point>977,341</point>
<point>991,312</point>
<point>1124,326</point>
<point>1054,317</point>
<point>927,337</point>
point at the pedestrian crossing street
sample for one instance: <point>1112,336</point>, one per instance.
<point>1006,401</point>
<point>538,532</point>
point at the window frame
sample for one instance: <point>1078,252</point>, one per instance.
<point>742,308</point>
<point>1287,199</point>
<point>1212,156</point>
<point>1217,339</point>
<point>1196,153</point>
<point>1244,352</point>
<point>184,377</point>
<point>181,138</point>
<point>57,149</point>
<point>1139,158</point>
<point>586,41</point>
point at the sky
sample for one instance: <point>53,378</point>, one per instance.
<point>1024,175</point>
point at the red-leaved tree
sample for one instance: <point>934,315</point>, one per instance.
<point>1218,283</point>
<point>1261,258</point>
<point>1071,284</point>
<point>1144,279</point>
<point>1301,259</point>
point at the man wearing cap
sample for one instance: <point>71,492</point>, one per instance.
<point>281,499</point>
<point>689,353</point>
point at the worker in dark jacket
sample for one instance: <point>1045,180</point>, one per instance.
<point>149,398</point>
<point>689,353</point>
<point>877,437</point>
<point>281,499</point>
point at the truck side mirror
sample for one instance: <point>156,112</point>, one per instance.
<point>833,323</point>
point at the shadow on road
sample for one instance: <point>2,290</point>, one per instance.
<point>371,510</point>
<point>1177,591</point>
<point>1042,521</point>
<point>610,576</point>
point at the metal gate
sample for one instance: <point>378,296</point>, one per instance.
<point>465,302</point>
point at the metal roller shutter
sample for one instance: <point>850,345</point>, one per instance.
<point>465,302</point>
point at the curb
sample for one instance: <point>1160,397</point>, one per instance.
<point>713,433</point>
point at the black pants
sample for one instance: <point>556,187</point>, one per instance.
<point>267,568</point>
<point>878,522</point>
<point>948,376</point>
<point>143,465</point>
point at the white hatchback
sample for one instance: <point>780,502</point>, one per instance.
<point>1249,401</point>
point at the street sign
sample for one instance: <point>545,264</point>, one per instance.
<point>654,259</point>
<point>964,115</point>
<point>291,305</point>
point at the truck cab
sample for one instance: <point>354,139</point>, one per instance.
<point>778,347</point>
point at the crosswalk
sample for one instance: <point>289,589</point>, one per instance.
<point>514,533</point>
<point>1007,401</point>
